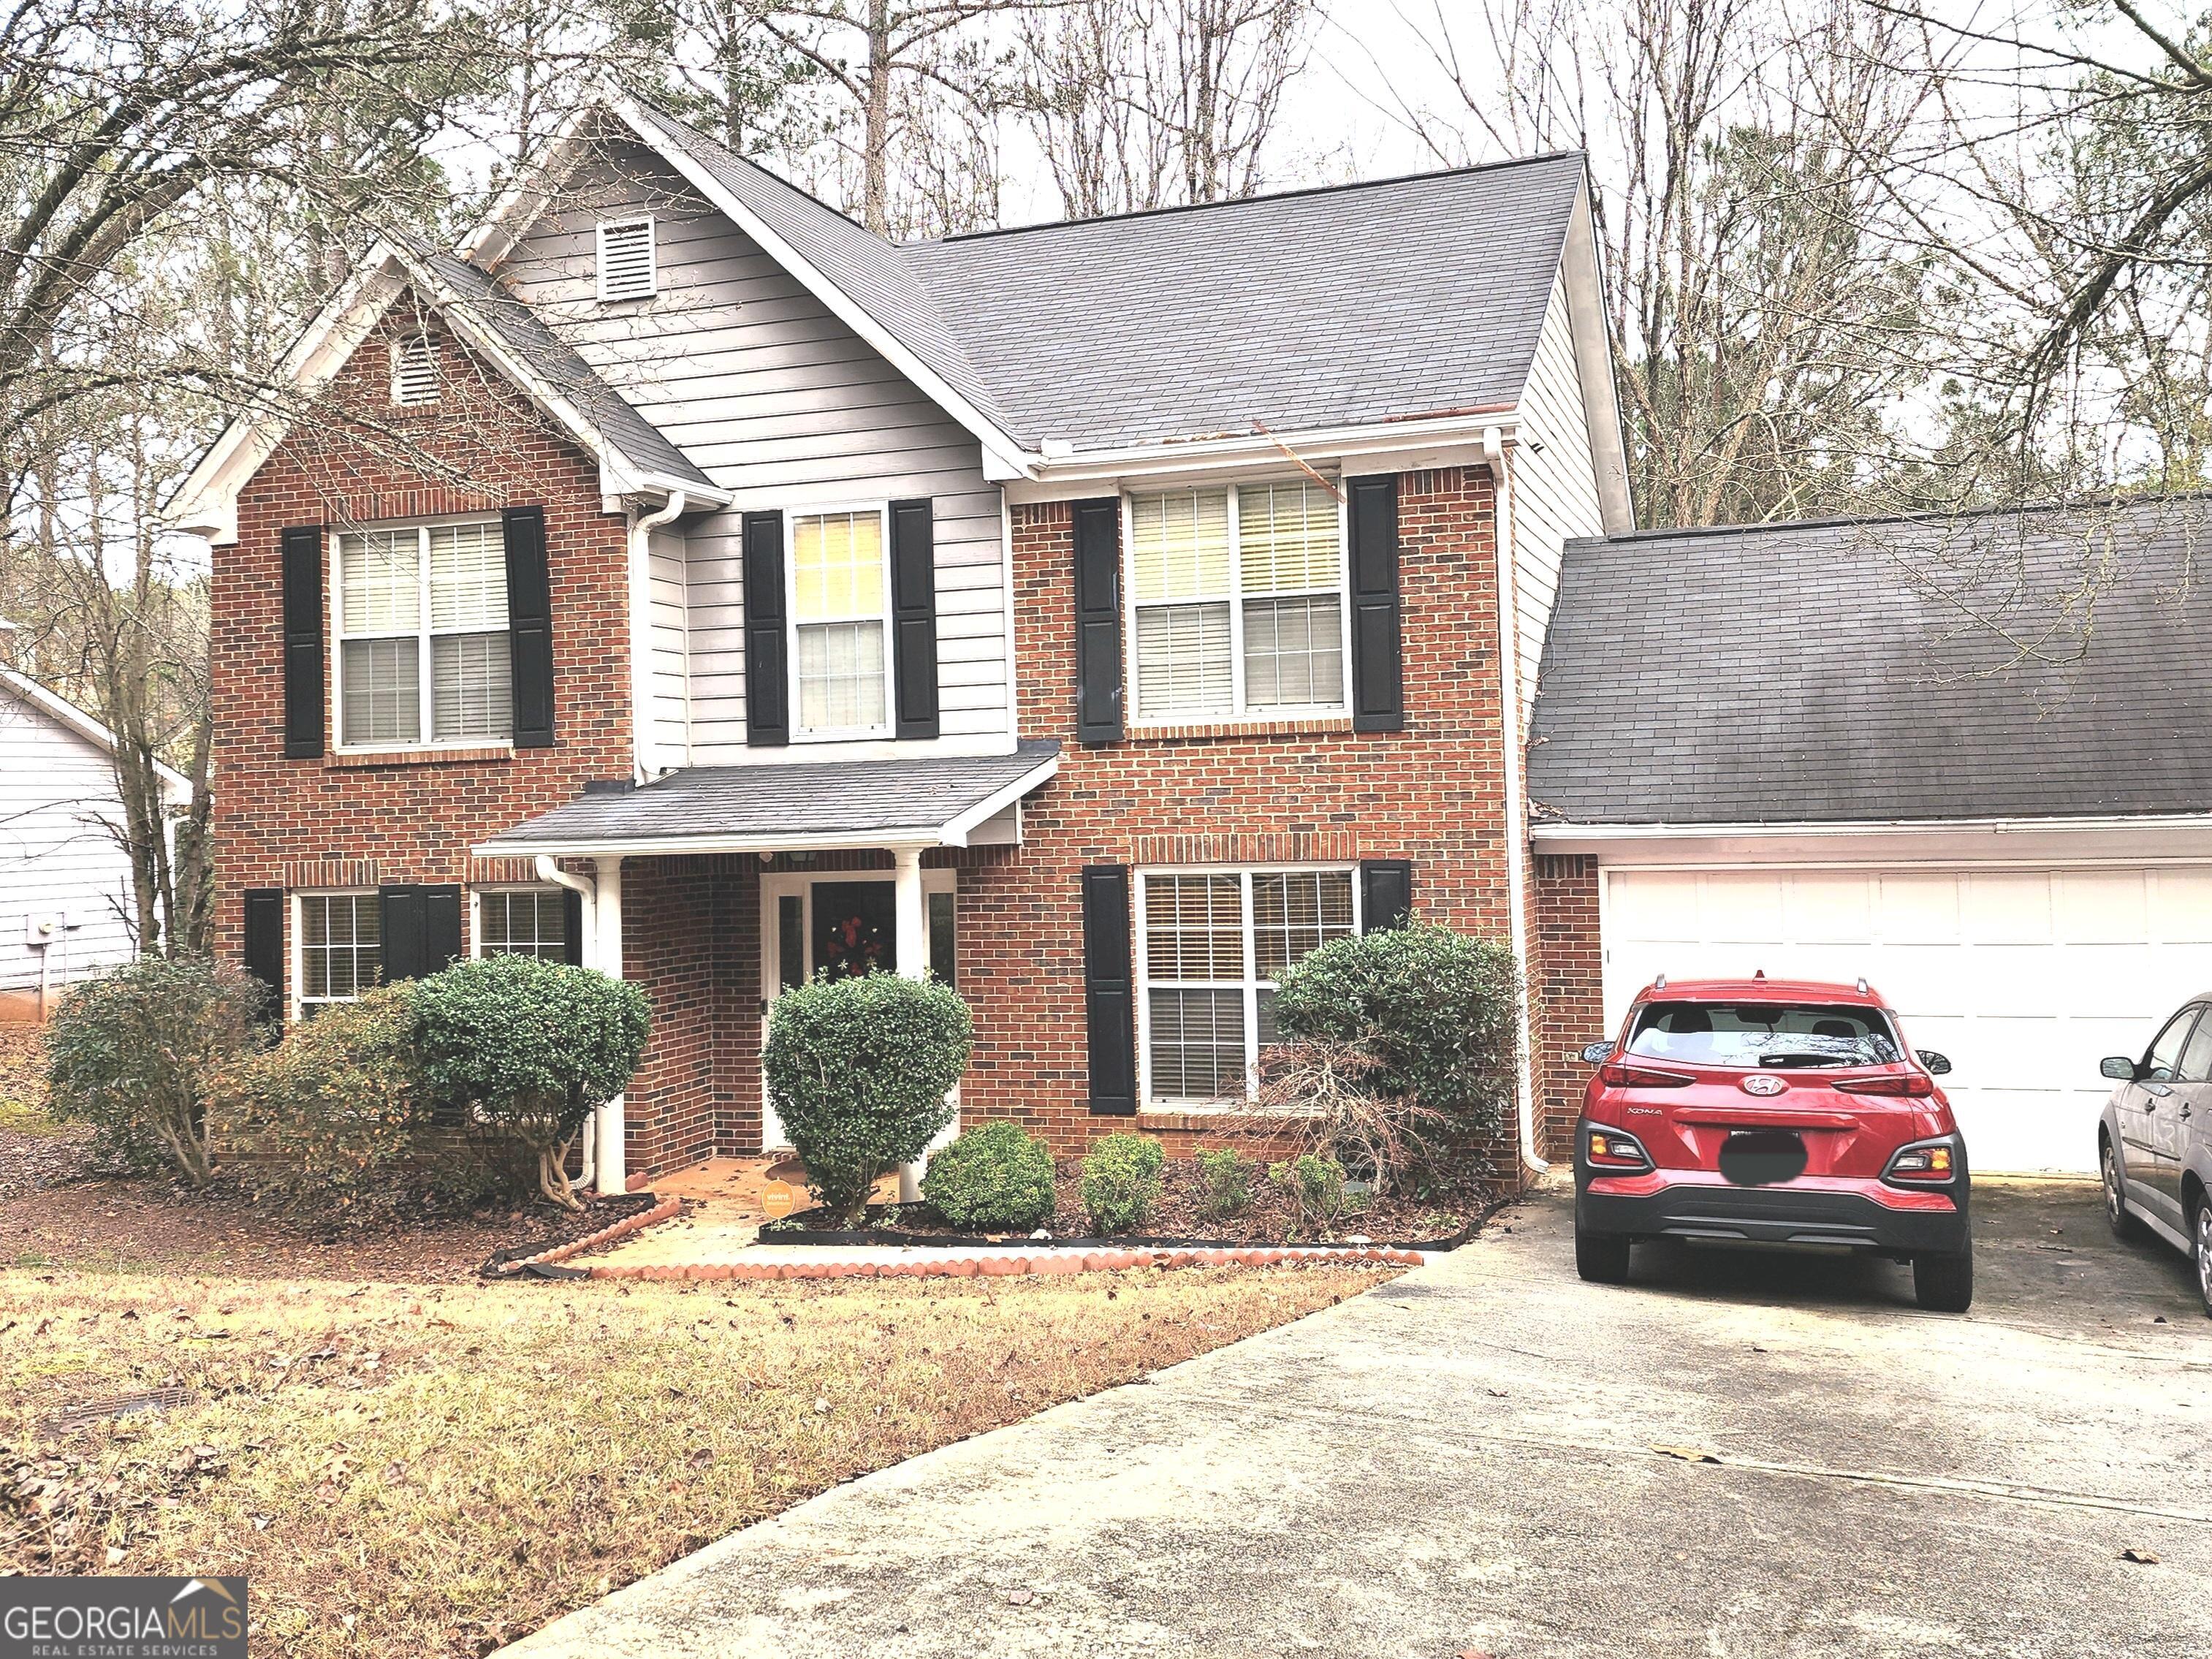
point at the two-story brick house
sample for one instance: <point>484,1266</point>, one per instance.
<point>680,579</point>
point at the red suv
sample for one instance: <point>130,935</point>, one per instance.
<point>1771,1112</point>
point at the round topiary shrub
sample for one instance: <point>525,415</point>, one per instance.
<point>532,1048</point>
<point>995,1178</point>
<point>1396,1046</point>
<point>136,1053</point>
<point>1121,1181</point>
<point>858,1070</point>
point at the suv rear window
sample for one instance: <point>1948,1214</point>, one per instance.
<point>1779,1034</point>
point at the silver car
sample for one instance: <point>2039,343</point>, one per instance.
<point>2155,1140</point>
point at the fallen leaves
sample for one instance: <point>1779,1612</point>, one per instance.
<point>1688,1453</point>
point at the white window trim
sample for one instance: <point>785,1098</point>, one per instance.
<point>651,258</point>
<point>476,908</point>
<point>295,954</point>
<point>1250,985</point>
<point>884,727</point>
<point>1237,712</point>
<point>426,717</point>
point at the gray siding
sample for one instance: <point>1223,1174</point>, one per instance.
<point>1554,492</point>
<point>670,684</point>
<point>58,798</point>
<point>782,403</point>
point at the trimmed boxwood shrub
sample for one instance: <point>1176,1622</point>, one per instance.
<point>1224,1183</point>
<point>136,1053</point>
<point>858,1070</point>
<point>1121,1181</point>
<point>1412,1031</point>
<point>530,1049</point>
<point>995,1177</point>
<point>338,1103</point>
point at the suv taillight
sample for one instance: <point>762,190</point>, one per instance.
<point>1619,1074</point>
<point>1612,1149</point>
<point>1911,1082</point>
<point>1923,1164</point>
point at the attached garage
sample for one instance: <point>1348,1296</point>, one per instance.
<point>2016,854</point>
<point>2024,976</point>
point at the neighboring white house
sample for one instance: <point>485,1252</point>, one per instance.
<point>64,881</point>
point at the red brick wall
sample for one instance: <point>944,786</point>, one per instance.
<point>1566,987</point>
<point>1433,793</point>
<point>333,821</point>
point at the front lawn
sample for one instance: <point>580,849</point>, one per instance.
<point>434,1470</point>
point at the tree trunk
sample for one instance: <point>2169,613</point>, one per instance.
<point>876,137</point>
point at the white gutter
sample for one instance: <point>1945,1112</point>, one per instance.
<point>1062,468</point>
<point>1575,835</point>
<point>641,632</point>
<point>1517,854</point>
<point>547,870</point>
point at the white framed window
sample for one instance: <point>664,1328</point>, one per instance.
<point>337,947</point>
<point>527,921</point>
<point>415,371</point>
<point>629,267</point>
<point>421,617</point>
<point>1237,602</point>
<point>841,623</point>
<point>1210,945</point>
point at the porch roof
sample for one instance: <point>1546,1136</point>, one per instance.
<point>936,800</point>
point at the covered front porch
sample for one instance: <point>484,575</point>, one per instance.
<point>716,888</point>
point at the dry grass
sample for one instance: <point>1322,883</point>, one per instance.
<point>431,1471</point>
<point>23,1081</point>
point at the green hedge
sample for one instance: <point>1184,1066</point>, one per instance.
<point>995,1178</point>
<point>1121,1182</point>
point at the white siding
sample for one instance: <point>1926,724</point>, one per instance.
<point>1555,492</point>
<point>58,798</point>
<point>781,402</point>
<point>671,641</point>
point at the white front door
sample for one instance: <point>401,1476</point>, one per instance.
<point>2025,977</point>
<point>839,922</point>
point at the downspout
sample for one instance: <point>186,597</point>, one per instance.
<point>549,870</point>
<point>640,632</point>
<point>1517,827</point>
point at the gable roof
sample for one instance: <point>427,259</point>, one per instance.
<point>1871,669</point>
<point>176,787</point>
<point>633,455</point>
<point>1361,306</point>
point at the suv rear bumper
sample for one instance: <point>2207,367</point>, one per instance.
<point>1831,1214</point>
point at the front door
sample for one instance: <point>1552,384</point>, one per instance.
<point>836,926</point>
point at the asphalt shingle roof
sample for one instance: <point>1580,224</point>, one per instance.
<point>558,364</point>
<point>2044,664</point>
<point>1336,306</point>
<point>796,798</point>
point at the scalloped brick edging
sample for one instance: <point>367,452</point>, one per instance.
<point>1000,1265</point>
<point>667,1209</point>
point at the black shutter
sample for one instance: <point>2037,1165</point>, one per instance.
<point>914,616</point>
<point>1378,680</point>
<point>1386,894</point>
<point>530,625</point>
<point>400,935</point>
<point>1098,622</point>
<point>265,940</point>
<point>302,546</point>
<point>441,927</point>
<point>768,721</point>
<point>1110,1003</point>
<point>572,928</point>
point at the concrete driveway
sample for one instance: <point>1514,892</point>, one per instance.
<point>1464,1462</point>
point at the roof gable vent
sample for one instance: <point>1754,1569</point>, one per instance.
<point>627,269</point>
<point>415,371</point>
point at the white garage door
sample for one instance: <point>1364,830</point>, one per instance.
<point>2025,978</point>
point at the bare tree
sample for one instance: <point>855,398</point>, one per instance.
<point>1144,103</point>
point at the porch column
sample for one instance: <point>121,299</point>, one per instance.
<point>607,953</point>
<point>911,929</point>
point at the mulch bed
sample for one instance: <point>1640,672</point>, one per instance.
<point>1182,1215</point>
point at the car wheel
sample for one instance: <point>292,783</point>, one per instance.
<point>2204,1252</point>
<point>1601,1258</point>
<point>2124,1222</point>
<point>1943,1282</point>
